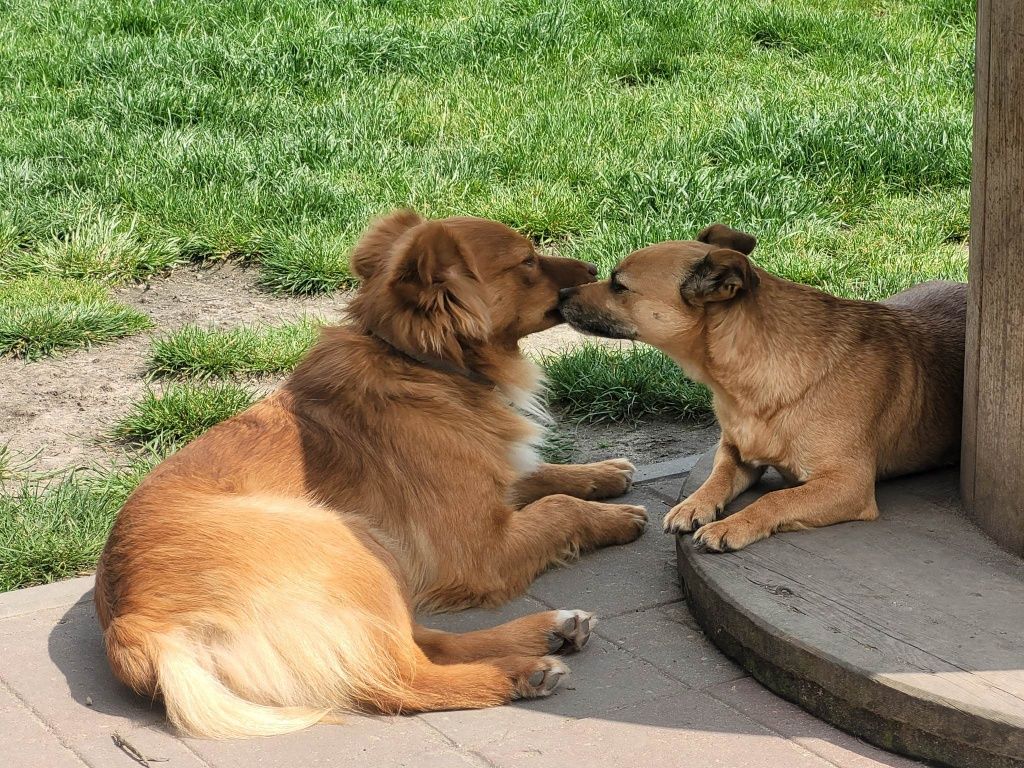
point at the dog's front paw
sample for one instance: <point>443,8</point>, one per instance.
<point>618,523</point>
<point>610,478</point>
<point>727,535</point>
<point>689,515</point>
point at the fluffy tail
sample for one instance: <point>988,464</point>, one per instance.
<point>255,679</point>
<point>201,705</point>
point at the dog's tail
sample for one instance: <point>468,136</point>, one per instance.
<point>245,682</point>
<point>200,704</point>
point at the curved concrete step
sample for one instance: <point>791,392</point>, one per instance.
<point>907,631</point>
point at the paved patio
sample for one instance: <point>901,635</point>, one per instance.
<point>647,690</point>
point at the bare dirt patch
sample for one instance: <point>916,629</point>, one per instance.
<point>55,412</point>
<point>645,442</point>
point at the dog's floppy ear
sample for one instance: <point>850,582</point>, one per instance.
<point>719,276</point>
<point>373,247</point>
<point>727,237</point>
<point>433,275</point>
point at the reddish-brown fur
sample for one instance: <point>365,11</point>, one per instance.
<point>833,393</point>
<point>264,576</point>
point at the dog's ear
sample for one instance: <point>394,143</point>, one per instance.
<point>373,247</point>
<point>719,276</point>
<point>727,237</point>
<point>433,275</point>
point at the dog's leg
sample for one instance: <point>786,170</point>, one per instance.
<point>728,479</point>
<point>599,480</point>
<point>431,687</point>
<point>830,497</point>
<point>535,635</point>
<point>547,532</point>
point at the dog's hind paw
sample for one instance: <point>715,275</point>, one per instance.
<point>571,632</point>
<point>540,678</point>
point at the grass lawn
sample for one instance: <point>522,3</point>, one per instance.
<point>137,136</point>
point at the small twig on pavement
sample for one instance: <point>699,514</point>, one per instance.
<point>125,746</point>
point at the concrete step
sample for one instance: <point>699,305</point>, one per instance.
<point>907,631</point>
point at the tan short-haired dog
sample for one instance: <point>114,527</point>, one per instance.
<point>833,393</point>
<point>264,577</point>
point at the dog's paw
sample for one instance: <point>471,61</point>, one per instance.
<point>538,678</point>
<point>571,631</point>
<point>612,477</point>
<point>689,515</point>
<point>619,523</point>
<point>727,535</point>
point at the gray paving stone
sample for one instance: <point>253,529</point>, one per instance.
<point>604,678</point>
<point>671,467</point>
<point>617,580</point>
<point>667,638</point>
<point>842,749</point>
<point>156,743</point>
<point>688,729</point>
<point>366,742</point>
<point>56,595</point>
<point>28,743</point>
<point>668,489</point>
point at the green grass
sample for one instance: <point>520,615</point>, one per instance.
<point>592,383</point>
<point>196,352</point>
<point>163,422</point>
<point>39,315</point>
<point>137,135</point>
<point>558,447</point>
<point>52,530</point>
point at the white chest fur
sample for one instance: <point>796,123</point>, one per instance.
<point>528,403</point>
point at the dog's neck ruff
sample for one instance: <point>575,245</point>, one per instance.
<point>434,363</point>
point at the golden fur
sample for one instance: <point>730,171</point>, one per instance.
<point>833,393</point>
<point>264,577</point>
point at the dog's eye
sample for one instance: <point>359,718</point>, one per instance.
<point>530,262</point>
<point>617,287</point>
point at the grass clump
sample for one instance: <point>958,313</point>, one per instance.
<point>558,447</point>
<point>52,530</point>
<point>196,352</point>
<point>594,383</point>
<point>39,315</point>
<point>163,422</point>
<point>104,249</point>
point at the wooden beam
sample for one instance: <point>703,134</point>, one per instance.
<point>992,475</point>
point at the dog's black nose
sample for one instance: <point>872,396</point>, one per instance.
<point>592,269</point>
<point>565,293</point>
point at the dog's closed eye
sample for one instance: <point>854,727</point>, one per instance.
<point>615,285</point>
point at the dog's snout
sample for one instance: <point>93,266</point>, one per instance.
<point>592,269</point>
<point>565,293</point>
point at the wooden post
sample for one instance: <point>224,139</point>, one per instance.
<point>992,466</point>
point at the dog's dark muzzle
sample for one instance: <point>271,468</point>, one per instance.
<point>589,320</point>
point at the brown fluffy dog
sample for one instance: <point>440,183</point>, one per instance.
<point>833,393</point>
<point>264,576</point>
